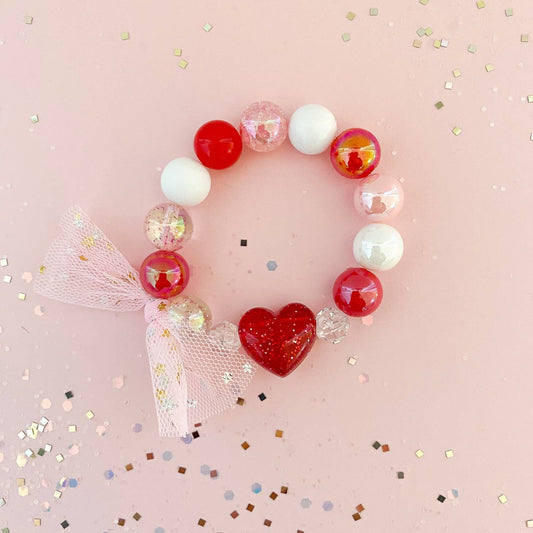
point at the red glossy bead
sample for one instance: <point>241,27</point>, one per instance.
<point>357,292</point>
<point>164,274</point>
<point>217,144</point>
<point>279,342</point>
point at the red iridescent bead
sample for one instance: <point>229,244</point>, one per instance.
<point>217,144</point>
<point>164,274</point>
<point>355,153</point>
<point>357,292</point>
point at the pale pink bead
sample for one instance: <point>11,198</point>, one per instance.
<point>378,197</point>
<point>263,126</point>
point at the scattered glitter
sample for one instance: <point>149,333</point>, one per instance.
<point>167,456</point>
<point>72,483</point>
<point>480,4</point>
<point>177,52</point>
<point>3,262</point>
<point>183,64</point>
<point>345,37</point>
<point>489,67</point>
<point>456,73</point>
<point>229,495</point>
<point>34,119</point>
<point>262,396</point>
<point>89,415</point>
<point>401,475</point>
<point>256,488</point>
<point>36,521</point>
<point>385,448</point>
<point>272,265</point>
<point>182,470</point>
<point>376,445</point>
<point>159,530</point>
<point>436,43</point>
<point>448,85</point>
<point>118,382</point>
<point>364,378</point>
<point>449,454</point>
<point>234,515</point>
<point>441,498</point>
<point>125,35</point>
<point>524,37</point>
<point>273,495</point>
<point>250,507</point>
<point>457,130</point>
<point>502,498</point>
<point>28,19</point>
<point>417,43</point>
<point>59,458</point>
<point>350,15</point>
<point>279,433</point>
<point>305,503</point>
<point>356,516</point>
<point>7,278</point>
<point>509,12</point>
<point>72,428</point>
<point>207,27</point>
<point>284,489</point>
<point>419,453</point>
<point>439,105</point>
<point>137,428</point>
<point>327,506</point>
<point>29,453</point>
<point>352,360</point>
<point>472,48</point>
<point>373,11</point>
<point>244,242</point>
<point>267,522</point>
<point>202,522</point>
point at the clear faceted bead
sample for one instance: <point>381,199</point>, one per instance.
<point>225,334</point>
<point>331,325</point>
<point>190,310</point>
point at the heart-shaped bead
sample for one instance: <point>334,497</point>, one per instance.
<point>279,342</point>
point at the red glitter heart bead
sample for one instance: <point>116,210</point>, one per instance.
<point>279,342</point>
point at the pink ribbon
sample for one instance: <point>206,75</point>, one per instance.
<point>196,373</point>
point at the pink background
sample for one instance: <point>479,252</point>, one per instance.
<point>448,355</point>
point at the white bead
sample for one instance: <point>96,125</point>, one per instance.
<point>312,129</point>
<point>378,247</point>
<point>185,182</point>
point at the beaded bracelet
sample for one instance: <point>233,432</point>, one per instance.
<point>280,342</point>
<point>198,370</point>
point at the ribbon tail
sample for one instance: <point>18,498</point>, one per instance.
<point>169,380</point>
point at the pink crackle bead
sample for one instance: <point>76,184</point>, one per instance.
<point>263,126</point>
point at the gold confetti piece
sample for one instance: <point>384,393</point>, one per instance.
<point>457,130</point>
<point>72,428</point>
<point>273,495</point>
<point>129,467</point>
<point>436,43</point>
<point>350,15</point>
<point>284,489</point>
<point>125,35</point>
<point>502,498</point>
<point>28,19</point>
<point>267,522</point>
<point>530,98</point>
<point>529,523</point>
<point>7,279</point>
<point>352,360</point>
<point>279,433</point>
<point>345,37</point>
<point>207,27</point>
<point>417,43</point>
<point>429,31</point>
<point>373,11</point>
<point>21,296</point>
<point>21,482</point>
<point>421,32</point>
<point>448,85</point>
<point>439,105</point>
<point>89,414</point>
<point>202,522</point>
<point>250,507</point>
<point>183,64</point>
<point>57,494</point>
<point>472,48</point>
<point>245,445</point>
<point>419,453</point>
<point>177,52</point>
<point>489,67</point>
<point>121,521</point>
<point>3,262</point>
<point>449,454</point>
<point>137,517</point>
<point>456,73</point>
<point>509,12</point>
<point>524,37</point>
<point>356,516</point>
<point>36,521</point>
<point>182,470</point>
<point>59,458</point>
<point>423,2</point>
<point>480,4</point>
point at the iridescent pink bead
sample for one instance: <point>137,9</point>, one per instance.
<point>263,126</point>
<point>168,226</point>
<point>164,274</point>
<point>378,197</point>
<point>355,153</point>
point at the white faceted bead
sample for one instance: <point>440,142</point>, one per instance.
<point>185,182</point>
<point>312,129</point>
<point>331,325</point>
<point>378,247</point>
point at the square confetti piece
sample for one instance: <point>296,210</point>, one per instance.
<point>234,515</point>
<point>21,482</point>
<point>267,522</point>
<point>207,27</point>
<point>472,48</point>
<point>121,521</point>
<point>457,130</point>
<point>47,447</point>
<point>129,467</point>
<point>436,44</point>
<point>40,452</point>
<point>489,67</point>
<point>245,445</point>
<point>273,495</point>
<point>125,35</point>
<point>279,433</point>
<point>376,445</point>
<point>244,242</point>
<point>21,296</point>
<point>5,530</point>
<point>69,394</point>
<point>183,64</point>
<point>250,507</point>
<point>345,37</point>
<point>441,498</point>
<point>360,508</point>
<point>73,428</point>
<point>448,85</point>
<point>182,470</point>
<point>356,516</point>
<point>423,2</point>
<point>350,15</point>
<point>284,489</point>
<point>385,448</point>
<point>137,517</point>
<point>444,43</point>
<point>34,118</point>
<point>530,98</point>
<point>149,456</point>
<point>28,452</point>
<point>262,396</point>
<point>419,453</point>
<point>59,458</point>
<point>373,11</point>
<point>502,498</point>
<point>429,31</point>
<point>37,522</point>
<point>213,473</point>
<point>439,105</point>
<point>177,52</point>
<point>421,32</point>
<point>401,475</point>
<point>480,4</point>
<point>195,435</point>
<point>3,262</point>
<point>89,415</point>
<point>2,502</point>
<point>28,19</point>
<point>240,401</point>
<point>64,524</point>
<point>57,494</point>
<point>202,522</point>
<point>21,435</point>
<point>529,523</point>
<point>352,360</point>
<point>449,454</point>
<point>456,73</point>
<point>417,43</point>
<point>509,12</point>
<point>524,38</point>
<point>23,491</point>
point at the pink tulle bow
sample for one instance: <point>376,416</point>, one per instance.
<point>195,372</point>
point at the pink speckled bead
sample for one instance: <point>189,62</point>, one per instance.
<point>378,197</point>
<point>164,274</point>
<point>355,153</point>
<point>263,126</point>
